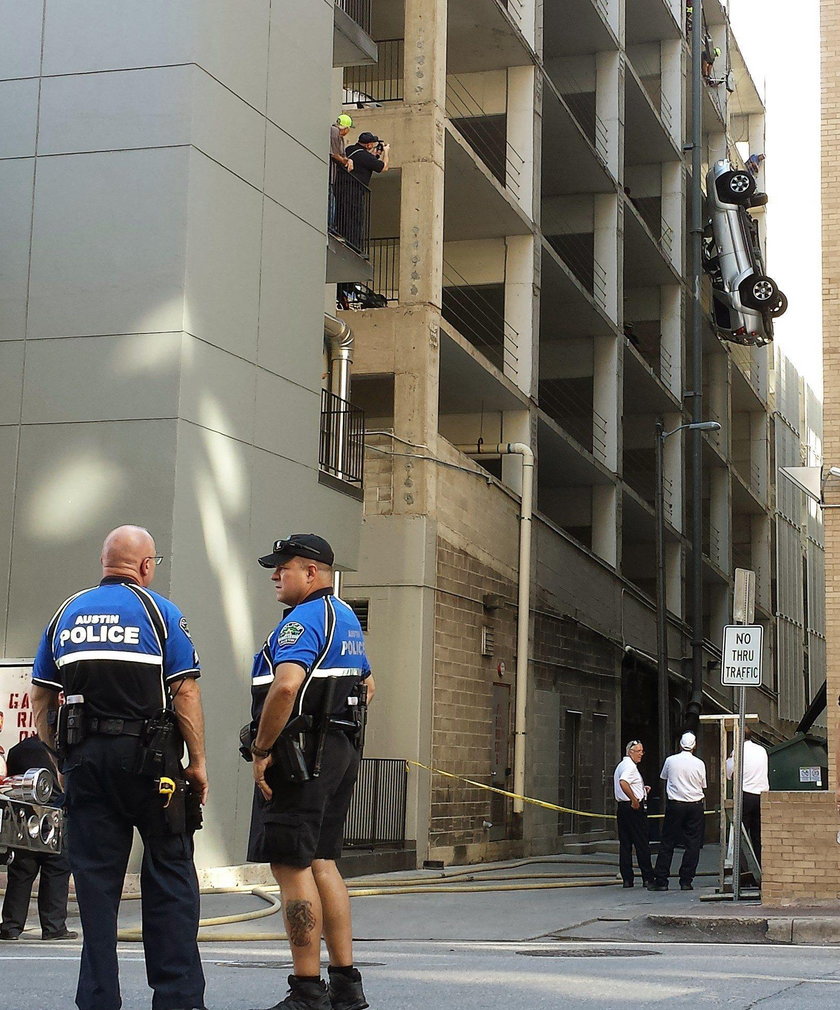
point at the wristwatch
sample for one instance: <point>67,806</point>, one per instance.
<point>260,752</point>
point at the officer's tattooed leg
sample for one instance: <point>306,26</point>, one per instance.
<point>301,922</point>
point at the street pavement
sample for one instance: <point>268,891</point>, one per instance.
<point>529,948</point>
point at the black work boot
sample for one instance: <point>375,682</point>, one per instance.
<point>304,995</point>
<point>346,993</point>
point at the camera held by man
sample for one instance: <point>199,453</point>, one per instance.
<point>370,154</point>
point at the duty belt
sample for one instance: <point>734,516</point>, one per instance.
<point>110,726</point>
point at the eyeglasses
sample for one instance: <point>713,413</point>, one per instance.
<point>157,558</point>
<point>284,546</point>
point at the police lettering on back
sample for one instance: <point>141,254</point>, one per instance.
<point>99,628</point>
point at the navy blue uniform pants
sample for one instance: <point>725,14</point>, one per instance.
<point>52,891</point>
<point>105,802</point>
<point>683,822</point>
<point>633,834</point>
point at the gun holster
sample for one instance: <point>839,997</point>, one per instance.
<point>160,746</point>
<point>289,750</point>
<point>71,725</point>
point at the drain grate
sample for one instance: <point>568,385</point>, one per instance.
<point>587,952</point>
<point>285,965</point>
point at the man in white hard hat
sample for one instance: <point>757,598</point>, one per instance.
<point>685,781</point>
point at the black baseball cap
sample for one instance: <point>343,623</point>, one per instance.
<point>368,138</point>
<point>299,545</point>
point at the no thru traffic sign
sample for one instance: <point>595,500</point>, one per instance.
<point>740,665</point>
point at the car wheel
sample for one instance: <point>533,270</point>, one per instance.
<point>735,187</point>
<point>759,292</point>
<point>757,200</point>
<point>779,308</point>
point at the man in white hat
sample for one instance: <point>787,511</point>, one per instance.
<point>685,781</point>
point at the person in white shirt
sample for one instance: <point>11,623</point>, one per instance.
<point>685,781</point>
<point>631,815</point>
<point>756,782</point>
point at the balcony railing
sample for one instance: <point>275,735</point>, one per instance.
<point>477,311</point>
<point>358,10</point>
<point>383,82</point>
<point>349,209</point>
<point>341,451</point>
<point>376,817</point>
<point>385,260</point>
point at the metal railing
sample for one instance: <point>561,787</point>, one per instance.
<point>341,447</point>
<point>480,319</point>
<point>574,412</point>
<point>377,810</point>
<point>382,82</point>
<point>349,209</point>
<point>358,10</point>
<point>385,260</point>
<point>486,133</point>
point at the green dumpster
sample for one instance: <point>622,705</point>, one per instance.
<point>799,763</point>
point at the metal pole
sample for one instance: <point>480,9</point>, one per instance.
<point>661,614</point>
<point>696,704</point>
<point>738,795</point>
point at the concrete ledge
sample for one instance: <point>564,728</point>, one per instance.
<point>785,929</point>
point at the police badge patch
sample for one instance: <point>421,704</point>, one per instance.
<point>182,624</point>
<point>290,633</point>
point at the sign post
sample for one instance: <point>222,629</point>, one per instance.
<point>740,667</point>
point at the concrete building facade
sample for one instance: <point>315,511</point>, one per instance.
<point>530,247</point>
<point>163,237</point>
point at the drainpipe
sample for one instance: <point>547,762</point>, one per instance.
<point>523,603</point>
<point>339,339</point>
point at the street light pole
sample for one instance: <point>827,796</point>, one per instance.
<point>661,612</point>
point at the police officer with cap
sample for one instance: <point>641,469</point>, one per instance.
<point>122,655</point>
<point>685,781</point>
<point>309,683</point>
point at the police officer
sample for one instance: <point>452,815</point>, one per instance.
<point>305,682</point>
<point>685,781</point>
<point>122,654</point>
<point>53,867</point>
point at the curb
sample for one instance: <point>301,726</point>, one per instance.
<point>751,929</point>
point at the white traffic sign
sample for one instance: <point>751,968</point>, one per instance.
<point>740,665</point>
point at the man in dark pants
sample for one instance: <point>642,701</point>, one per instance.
<point>54,867</point>
<point>122,654</point>
<point>306,681</point>
<point>631,815</point>
<point>685,781</point>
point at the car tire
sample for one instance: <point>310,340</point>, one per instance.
<point>735,187</point>
<point>779,308</point>
<point>759,292</point>
<point>757,200</point>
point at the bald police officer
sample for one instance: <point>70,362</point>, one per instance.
<point>305,698</point>
<point>122,654</point>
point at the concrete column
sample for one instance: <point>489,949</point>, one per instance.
<point>521,309</point>
<point>609,107</point>
<point>608,250</point>
<point>672,456</point>
<point>673,193</point>
<point>759,454</point>
<point>606,397</point>
<point>760,545</point>
<point>716,397</point>
<point>672,105</point>
<point>757,143</point>
<point>719,516</point>
<point>421,202</point>
<point>521,131</point>
<point>674,578</point>
<point>605,522</point>
<point>670,347</point>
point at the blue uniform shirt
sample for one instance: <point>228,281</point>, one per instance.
<point>118,645</point>
<point>323,636</point>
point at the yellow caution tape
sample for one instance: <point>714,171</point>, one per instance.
<point>525,799</point>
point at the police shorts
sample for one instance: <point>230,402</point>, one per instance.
<point>305,821</point>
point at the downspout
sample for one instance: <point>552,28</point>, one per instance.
<point>523,603</point>
<point>339,338</point>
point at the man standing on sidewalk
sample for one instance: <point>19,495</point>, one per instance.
<point>685,781</point>
<point>631,814</point>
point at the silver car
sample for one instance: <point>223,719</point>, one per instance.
<point>745,301</point>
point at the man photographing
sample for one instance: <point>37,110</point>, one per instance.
<point>310,682</point>
<point>369,155</point>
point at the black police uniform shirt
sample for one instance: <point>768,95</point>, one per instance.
<point>365,163</point>
<point>118,645</point>
<point>323,636</point>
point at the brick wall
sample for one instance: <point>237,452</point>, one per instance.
<point>800,854</point>
<point>463,717</point>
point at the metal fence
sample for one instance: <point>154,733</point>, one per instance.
<point>349,208</point>
<point>382,82</point>
<point>385,260</point>
<point>377,811</point>
<point>342,450</point>
<point>358,10</point>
